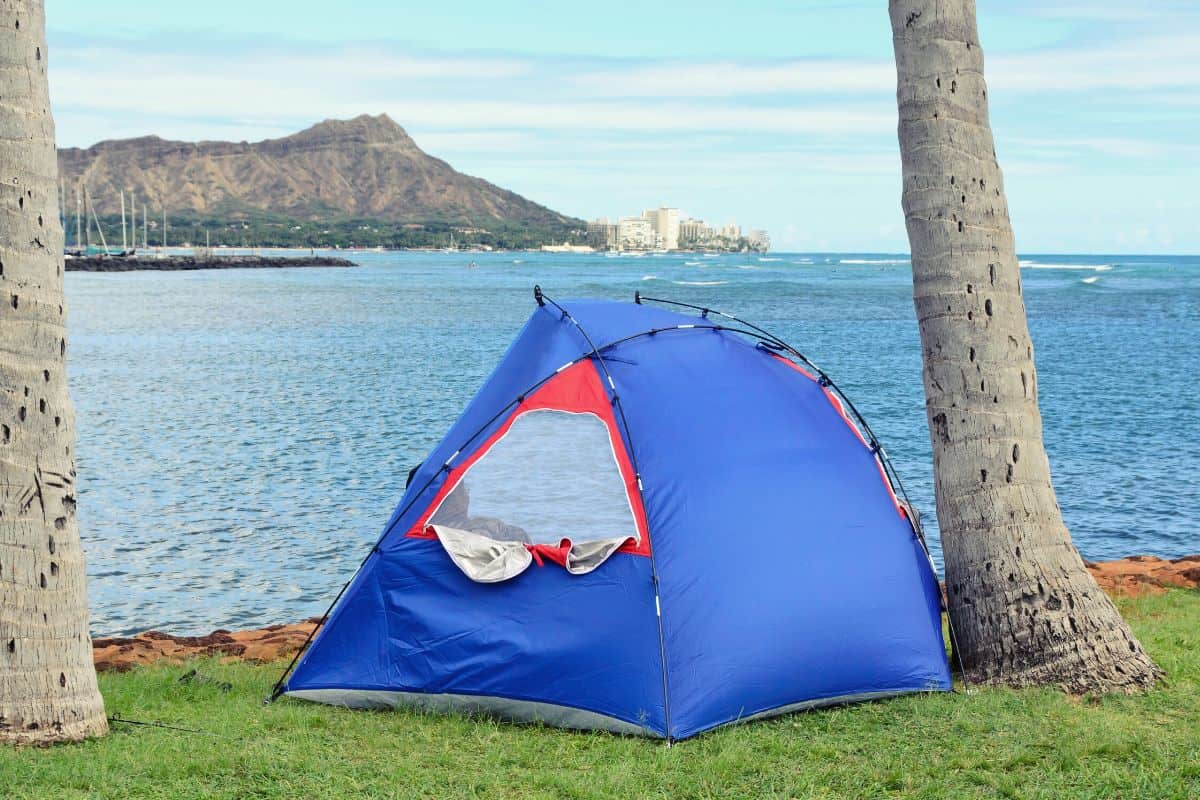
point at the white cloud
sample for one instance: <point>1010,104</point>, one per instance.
<point>284,88</point>
<point>724,79</point>
<point>672,117</point>
<point>509,142</point>
<point>1120,148</point>
<point>1093,11</point>
<point>446,93</point>
<point>1136,63</point>
<point>360,61</point>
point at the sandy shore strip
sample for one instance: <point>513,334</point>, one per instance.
<point>1135,575</point>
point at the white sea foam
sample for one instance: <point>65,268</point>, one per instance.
<point>1041,265</point>
<point>518,261</point>
<point>649,277</point>
<point>692,263</point>
<point>1092,279</point>
<point>699,283</point>
<point>746,266</point>
<point>873,261</point>
<point>764,259</point>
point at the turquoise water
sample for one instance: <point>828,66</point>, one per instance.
<point>245,434</point>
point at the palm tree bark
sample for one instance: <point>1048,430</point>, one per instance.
<point>1023,606</point>
<point>48,686</point>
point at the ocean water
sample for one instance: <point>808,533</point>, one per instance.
<point>243,435</point>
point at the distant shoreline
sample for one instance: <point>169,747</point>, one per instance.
<point>174,263</point>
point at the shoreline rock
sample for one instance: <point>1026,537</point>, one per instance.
<point>1133,576</point>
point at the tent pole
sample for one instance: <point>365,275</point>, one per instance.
<point>824,379</point>
<point>890,472</point>
<point>542,299</point>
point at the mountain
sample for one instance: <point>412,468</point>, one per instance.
<point>367,167</point>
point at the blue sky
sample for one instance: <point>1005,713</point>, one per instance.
<point>775,114</point>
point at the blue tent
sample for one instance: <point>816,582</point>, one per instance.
<point>644,522</point>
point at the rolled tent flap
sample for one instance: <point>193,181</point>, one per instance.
<point>584,557</point>
<point>481,559</point>
<point>487,560</point>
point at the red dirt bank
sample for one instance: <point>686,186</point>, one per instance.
<point>1138,575</point>
<point>273,643</point>
<point>1135,575</point>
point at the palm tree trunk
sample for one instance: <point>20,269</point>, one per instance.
<point>1024,608</point>
<point>48,686</point>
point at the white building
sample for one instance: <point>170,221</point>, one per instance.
<point>601,235</point>
<point>666,225</point>
<point>758,240</point>
<point>663,229</point>
<point>694,232</point>
<point>636,233</point>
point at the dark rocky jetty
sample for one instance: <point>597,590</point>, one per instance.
<point>174,263</point>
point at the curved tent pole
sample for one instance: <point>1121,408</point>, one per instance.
<point>890,470</point>
<point>750,330</point>
<point>542,300</point>
<point>824,380</point>
<point>595,352</point>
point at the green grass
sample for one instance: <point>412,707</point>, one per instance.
<point>984,743</point>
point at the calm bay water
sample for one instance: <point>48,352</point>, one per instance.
<point>245,434</point>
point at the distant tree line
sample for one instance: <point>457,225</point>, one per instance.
<point>337,233</point>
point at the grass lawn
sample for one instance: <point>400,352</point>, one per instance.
<point>985,743</point>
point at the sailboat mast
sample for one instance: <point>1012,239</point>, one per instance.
<point>78,229</point>
<point>87,199</point>
<point>124,241</point>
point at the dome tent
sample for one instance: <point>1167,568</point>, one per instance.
<point>645,522</point>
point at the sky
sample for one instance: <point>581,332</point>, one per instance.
<point>775,114</point>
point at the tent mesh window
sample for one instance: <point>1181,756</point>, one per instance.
<point>553,475</point>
